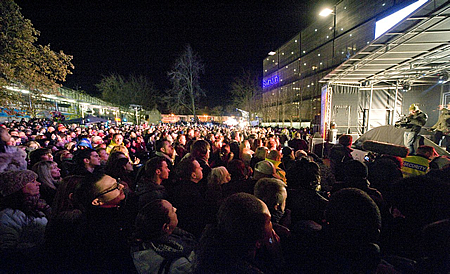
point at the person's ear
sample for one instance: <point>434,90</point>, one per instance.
<point>86,160</point>
<point>71,196</point>
<point>97,202</point>
<point>166,227</point>
<point>158,171</point>
<point>277,206</point>
<point>193,175</point>
<point>258,244</point>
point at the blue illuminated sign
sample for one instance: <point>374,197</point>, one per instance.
<point>271,81</point>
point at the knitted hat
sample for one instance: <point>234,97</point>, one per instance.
<point>84,143</point>
<point>13,181</point>
<point>265,167</point>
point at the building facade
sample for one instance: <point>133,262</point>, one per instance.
<point>300,76</point>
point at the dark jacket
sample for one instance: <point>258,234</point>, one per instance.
<point>104,240</point>
<point>192,208</point>
<point>417,120</point>
<point>149,191</point>
<point>306,204</point>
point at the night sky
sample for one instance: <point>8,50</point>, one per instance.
<point>145,37</point>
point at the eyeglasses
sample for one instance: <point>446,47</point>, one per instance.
<point>109,190</point>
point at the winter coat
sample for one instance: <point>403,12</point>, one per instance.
<point>19,232</point>
<point>149,191</point>
<point>417,120</point>
<point>442,124</point>
<point>169,254</point>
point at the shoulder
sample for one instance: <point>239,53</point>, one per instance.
<point>16,218</point>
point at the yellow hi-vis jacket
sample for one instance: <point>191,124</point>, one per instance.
<point>415,165</point>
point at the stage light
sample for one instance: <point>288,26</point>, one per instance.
<point>365,83</point>
<point>442,77</point>
<point>406,86</point>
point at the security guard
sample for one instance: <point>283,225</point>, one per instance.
<point>418,164</point>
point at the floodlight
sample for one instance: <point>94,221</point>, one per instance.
<point>406,86</point>
<point>326,12</point>
<point>442,77</point>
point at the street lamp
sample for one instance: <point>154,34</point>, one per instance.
<point>324,13</point>
<point>136,108</point>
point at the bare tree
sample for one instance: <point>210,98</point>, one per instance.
<point>138,90</point>
<point>185,79</point>
<point>244,89</point>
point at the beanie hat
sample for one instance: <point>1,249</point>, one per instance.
<point>84,143</point>
<point>13,181</point>
<point>355,169</point>
<point>265,167</point>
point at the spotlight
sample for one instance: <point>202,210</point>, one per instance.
<point>365,83</point>
<point>442,77</point>
<point>406,86</point>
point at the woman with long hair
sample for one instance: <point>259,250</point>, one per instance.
<point>119,166</point>
<point>49,176</point>
<point>245,153</point>
<point>62,231</point>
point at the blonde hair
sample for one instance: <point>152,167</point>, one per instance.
<point>217,176</point>
<point>120,148</point>
<point>43,170</point>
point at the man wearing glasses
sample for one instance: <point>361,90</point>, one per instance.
<point>109,215</point>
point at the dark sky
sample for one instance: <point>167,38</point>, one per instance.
<point>145,37</point>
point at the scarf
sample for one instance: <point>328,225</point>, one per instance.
<point>37,207</point>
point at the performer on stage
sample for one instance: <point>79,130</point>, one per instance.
<point>441,127</point>
<point>414,121</point>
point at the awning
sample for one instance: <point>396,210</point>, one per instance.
<point>416,51</point>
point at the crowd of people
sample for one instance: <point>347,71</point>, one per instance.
<point>214,199</point>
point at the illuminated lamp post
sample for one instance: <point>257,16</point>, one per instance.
<point>325,12</point>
